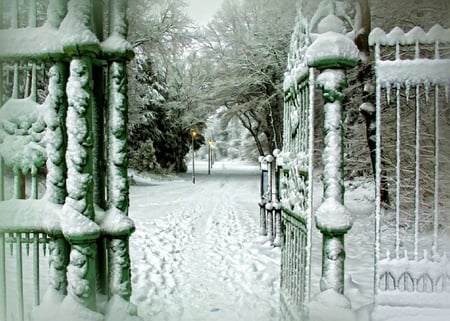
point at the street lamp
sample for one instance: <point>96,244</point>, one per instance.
<point>193,134</point>
<point>211,145</point>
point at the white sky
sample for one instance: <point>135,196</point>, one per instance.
<point>202,11</point>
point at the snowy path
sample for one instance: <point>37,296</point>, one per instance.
<point>196,252</point>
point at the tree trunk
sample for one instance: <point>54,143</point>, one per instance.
<point>254,134</point>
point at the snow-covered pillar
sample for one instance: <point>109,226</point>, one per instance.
<point>117,160</point>
<point>56,138</point>
<point>78,215</point>
<point>117,137</point>
<point>269,206</point>
<point>56,146</point>
<point>57,261</point>
<point>331,53</point>
<point>276,200</point>
<point>78,211</point>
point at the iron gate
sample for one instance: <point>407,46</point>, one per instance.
<point>412,104</point>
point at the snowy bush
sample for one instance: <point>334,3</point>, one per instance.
<point>144,159</point>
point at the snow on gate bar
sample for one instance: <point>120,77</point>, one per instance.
<point>412,91</point>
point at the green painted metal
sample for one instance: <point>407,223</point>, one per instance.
<point>332,218</point>
<point>19,277</point>
<point>3,306</point>
<point>56,134</point>
<point>36,272</point>
<point>297,158</point>
<point>294,279</point>
<point>2,179</point>
<point>421,269</point>
<point>73,98</point>
<point>296,190</point>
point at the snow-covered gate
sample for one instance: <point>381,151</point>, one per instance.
<point>321,51</point>
<point>412,118</point>
<point>62,91</point>
<point>296,191</point>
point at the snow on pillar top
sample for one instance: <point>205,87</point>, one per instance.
<point>77,28</point>
<point>56,11</point>
<point>116,45</point>
<point>332,50</point>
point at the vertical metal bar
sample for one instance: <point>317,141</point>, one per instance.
<point>305,106</point>
<point>34,185</point>
<point>397,175</point>
<point>301,269</point>
<point>304,265</point>
<point>36,269</point>
<point>1,68</point>
<point>14,14</point>
<point>17,183</point>
<point>310,181</point>
<point>2,177</point>
<point>15,25</point>
<point>417,180</point>
<point>1,27</point>
<point>32,22</point>
<point>15,92</point>
<point>19,275</point>
<point>301,112</point>
<point>436,170</point>
<point>33,90</point>
<point>377,175</point>
<point>3,307</point>
<point>288,256</point>
<point>294,261</point>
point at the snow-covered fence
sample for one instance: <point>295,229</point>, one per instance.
<point>21,253</point>
<point>59,122</point>
<point>270,206</point>
<point>296,191</point>
<point>412,102</point>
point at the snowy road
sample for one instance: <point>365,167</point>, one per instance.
<point>196,252</point>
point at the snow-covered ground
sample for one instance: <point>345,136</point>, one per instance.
<point>197,254</point>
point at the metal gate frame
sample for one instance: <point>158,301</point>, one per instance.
<point>423,278</point>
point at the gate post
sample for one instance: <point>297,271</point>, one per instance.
<point>269,205</point>
<point>262,202</point>
<point>332,53</point>
<point>277,201</point>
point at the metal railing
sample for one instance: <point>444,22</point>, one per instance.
<point>21,277</point>
<point>413,157</point>
<point>295,257</point>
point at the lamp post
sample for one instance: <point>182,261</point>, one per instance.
<point>193,134</point>
<point>209,156</point>
<point>211,146</point>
